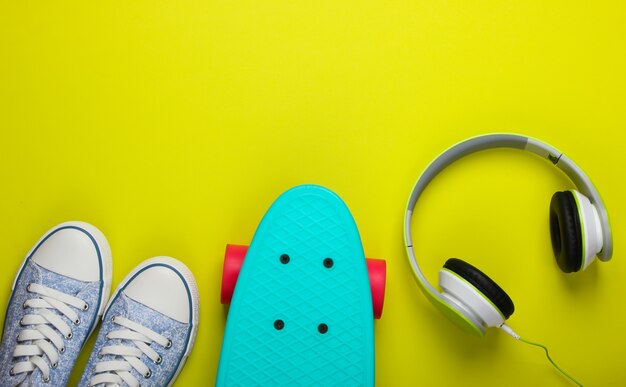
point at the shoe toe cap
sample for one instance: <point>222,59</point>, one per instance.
<point>72,251</point>
<point>162,288</point>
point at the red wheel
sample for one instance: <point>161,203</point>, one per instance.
<point>233,260</point>
<point>377,270</point>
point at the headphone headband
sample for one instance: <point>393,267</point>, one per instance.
<point>490,141</point>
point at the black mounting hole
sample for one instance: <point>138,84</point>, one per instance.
<point>279,324</point>
<point>322,328</point>
<point>284,259</point>
<point>328,263</point>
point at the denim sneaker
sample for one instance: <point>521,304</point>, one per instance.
<point>57,297</point>
<point>148,329</point>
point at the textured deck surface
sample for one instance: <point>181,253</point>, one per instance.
<point>275,333</point>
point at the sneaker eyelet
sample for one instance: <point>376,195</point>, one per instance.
<point>55,365</point>
<point>148,374</point>
<point>21,321</point>
<point>62,350</point>
<point>46,380</point>
<point>28,288</point>
<point>86,307</point>
<point>113,319</point>
<point>159,360</point>
<point>24,305</point>
<point>11,372</point>
<point>169,344</point>
<point>77,321</point>
<point>69,336</point>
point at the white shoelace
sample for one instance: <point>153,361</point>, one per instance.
<point>38,338</point>
<point>117,372</point>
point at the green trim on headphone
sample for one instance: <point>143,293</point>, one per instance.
<point>456,317</point>
<point>452,314</point>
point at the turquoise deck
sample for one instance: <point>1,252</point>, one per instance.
<point>308,223</point>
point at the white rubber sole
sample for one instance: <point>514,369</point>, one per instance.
<point>105,257</point>
<point>183,270</point>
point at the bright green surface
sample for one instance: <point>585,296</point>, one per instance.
<point>173,126</point>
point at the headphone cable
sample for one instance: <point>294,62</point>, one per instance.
<point>512,333</point>
<point>570,377</point>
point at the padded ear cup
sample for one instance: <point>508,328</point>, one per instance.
<point>566,231</point>
<point>483,283</point>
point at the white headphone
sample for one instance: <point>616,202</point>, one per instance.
<point>579,227</point>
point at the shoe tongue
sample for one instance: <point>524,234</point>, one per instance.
<point>26,382</point>
<point>142,314</point>
<point>60,282</point>
<point>28,379</point>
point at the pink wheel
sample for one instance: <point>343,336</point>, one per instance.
<point>377,270</point>
<point>233,260</point>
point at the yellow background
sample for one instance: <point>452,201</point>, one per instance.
<point>172,126</point>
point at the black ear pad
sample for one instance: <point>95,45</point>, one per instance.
<point>483,283</point>
<point>566,232</point>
